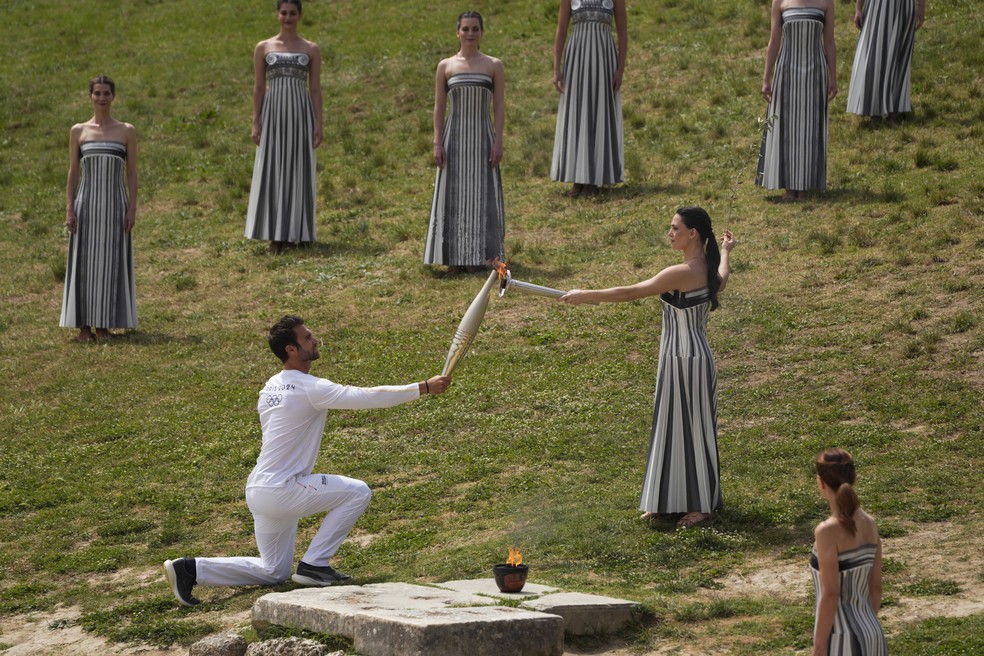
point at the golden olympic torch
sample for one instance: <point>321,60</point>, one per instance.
<point>469,325</point>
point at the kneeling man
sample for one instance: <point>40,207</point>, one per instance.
<point>281,488</point>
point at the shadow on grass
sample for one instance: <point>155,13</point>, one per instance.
<point>897,121</point>
<point>148,338</point>
<point>441,272</point>
<point>838,195</point>
<point>222,601</point>
<point>517,269</point>
<point>333,246</point>
<point>761,529</point>
<point>758,528</point>
<point>631,190</point>
<point>344,246</point>
<point>529,273</point>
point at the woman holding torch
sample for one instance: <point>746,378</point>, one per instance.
<point>682,471</point>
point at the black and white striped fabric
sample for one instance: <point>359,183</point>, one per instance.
<point>856,631</point>
<point>794,147</point>
<point>99,287</point>
<point>467,225</point>
<point>281,198</point>
<point>588,141</point>
<point>682,472</point>
<point>883,59</point>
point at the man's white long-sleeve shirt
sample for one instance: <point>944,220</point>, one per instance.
<point>293,407</point>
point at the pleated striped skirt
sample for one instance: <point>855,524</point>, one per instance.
<point>281,197</point>
<point>794,147</point>
<point>467,225</point>
<point>883,60</point>
<point>588,143</point>
<point>99,287</point>
<point>682,471</point>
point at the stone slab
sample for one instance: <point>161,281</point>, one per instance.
<point>488,588</point>
<point>399,619</point>
<point>586,614</point>
<point>475,631</point>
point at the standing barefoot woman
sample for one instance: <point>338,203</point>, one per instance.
<point>287,127</point>
<point>467,227</point>
<point>682,472</point>
<point>100,213</point>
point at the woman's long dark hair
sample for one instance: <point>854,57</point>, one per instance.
<point>835,467</point>
<point>697,219</point>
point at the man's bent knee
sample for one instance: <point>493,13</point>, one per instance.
<point>281,571</point>
<point>365,493</point>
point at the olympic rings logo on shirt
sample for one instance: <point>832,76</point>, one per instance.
<point>274,399</point>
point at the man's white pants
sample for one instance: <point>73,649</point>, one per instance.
<point>276,512</point>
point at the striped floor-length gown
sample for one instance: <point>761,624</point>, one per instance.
<point>856,631</point>
<point>467,225</point>
<point>794,147</point>
<point>883,59</point>
<point>588,145</point>
<point>99,286</point>
<point>281,198</point>
<point>682,471</point>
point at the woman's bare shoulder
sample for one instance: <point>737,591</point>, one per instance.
<point>867,525</point>
<point>311,48</point>
<point>827,530</point>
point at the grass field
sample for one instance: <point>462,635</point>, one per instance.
<point>852,319</point>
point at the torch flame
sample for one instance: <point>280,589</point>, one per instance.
<point>500,267</point>
<point>515,558</point>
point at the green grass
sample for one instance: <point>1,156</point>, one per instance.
<point>931,587</point>
<point>946,636</point>
<point>852,319</point>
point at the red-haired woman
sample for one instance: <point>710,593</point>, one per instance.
<point>846,566</point>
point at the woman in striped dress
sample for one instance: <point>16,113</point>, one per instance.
<point>802,53</point>
<point>588,71</point>
<point>287,127</point>
<point>100,213</point>
<point>883,59</point>
<point>467,227</point>
<point>682,471</point>
<point>846,566</point>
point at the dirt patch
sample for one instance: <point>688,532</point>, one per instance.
<point>57,633</point>
<point>943,552</point>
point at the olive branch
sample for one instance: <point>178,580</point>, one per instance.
<point>764,126</point>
